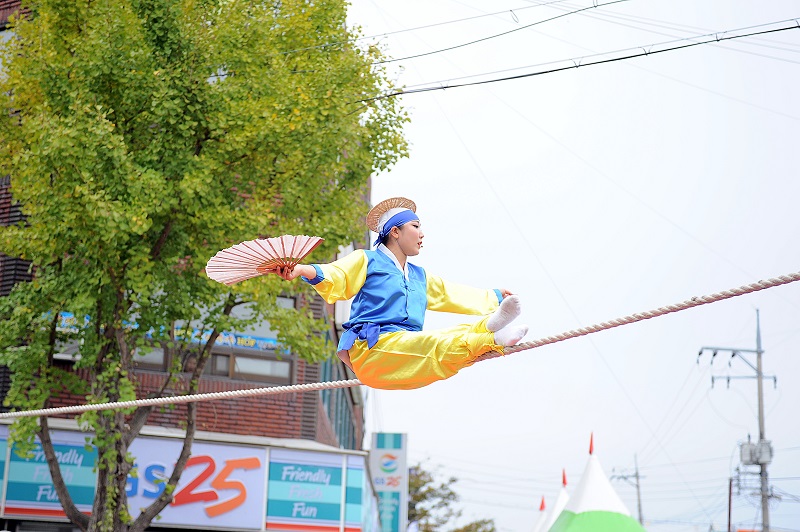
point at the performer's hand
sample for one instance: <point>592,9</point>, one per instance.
<point>505,293</point>
<point>286,273</point>
<point>289,274</point>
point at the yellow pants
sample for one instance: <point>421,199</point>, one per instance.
<point>404,360</point>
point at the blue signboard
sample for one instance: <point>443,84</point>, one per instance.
<point>361,504</point>
<point>3,451</point>
<point>390,477</point>
<point>30,488</point>
<point>223,485</point>
<point>305,489</point>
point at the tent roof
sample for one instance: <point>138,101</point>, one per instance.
<point>594,492</point>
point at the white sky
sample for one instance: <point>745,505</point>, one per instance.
<point>595,193</point>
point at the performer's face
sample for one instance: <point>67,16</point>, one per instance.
<point>410,239</point>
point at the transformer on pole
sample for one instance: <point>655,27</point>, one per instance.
<point>758,453</point>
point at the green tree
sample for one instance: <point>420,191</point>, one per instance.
<point>482,525</point>
<point>141,137</point>
<point>431,503</point>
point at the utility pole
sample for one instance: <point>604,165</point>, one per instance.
<point>730,502</point>
<point>751,453</point>
<point>636,478</point>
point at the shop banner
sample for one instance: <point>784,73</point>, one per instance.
<point>222,485</point>
<point>305,490</point>
<point>228,339</point>
<point>30,490</point>
<point>361,502</point>
<point>3,453</point>
<point>389,468</point>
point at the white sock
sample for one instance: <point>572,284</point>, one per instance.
<point>509,310</point>
<point>510,335</point>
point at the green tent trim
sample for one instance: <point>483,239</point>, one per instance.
<point>595,521</point>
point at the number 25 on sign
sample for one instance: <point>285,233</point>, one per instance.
<point>191,492</point>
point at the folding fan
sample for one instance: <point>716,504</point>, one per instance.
<point>258,257</point>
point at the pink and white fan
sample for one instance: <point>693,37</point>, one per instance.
<point>258,257</point>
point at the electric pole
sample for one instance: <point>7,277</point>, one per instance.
<point>627,478</point>
<point>760,453</point>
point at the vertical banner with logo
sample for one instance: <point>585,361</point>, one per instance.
<point>3,452</point>
<point>389,470</point>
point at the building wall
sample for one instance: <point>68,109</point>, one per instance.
<point>7,8</point>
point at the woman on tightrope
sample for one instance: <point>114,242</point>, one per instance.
<point>383,342</point>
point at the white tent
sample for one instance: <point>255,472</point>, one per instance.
<point>595,505</point>
<point>539,526</point>
<point>560,504</point>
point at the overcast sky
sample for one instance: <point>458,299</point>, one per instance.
<point>595,193</point>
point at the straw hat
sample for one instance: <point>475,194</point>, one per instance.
<point>375,213</point>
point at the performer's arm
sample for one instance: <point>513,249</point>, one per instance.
<point>338,280</point>
<point>450,297</point>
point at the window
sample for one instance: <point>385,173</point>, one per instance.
<point>150,358</point>
<point>262,366</point>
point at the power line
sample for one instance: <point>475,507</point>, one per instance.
<point>432,52</point>
<point>605,16</point>
<point>645,47</point>
<point>578,62</point>
<point>416,28</point>
<point>436,24</point>
<point>686,28</point>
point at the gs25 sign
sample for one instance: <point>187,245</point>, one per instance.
<point>220,482</point>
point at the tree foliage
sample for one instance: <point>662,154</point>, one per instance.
<point>141,137</point>
<point>431,504</point>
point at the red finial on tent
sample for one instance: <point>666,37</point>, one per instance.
<point>541,506</point>
<point>591,444</point>
<point>564,477</point>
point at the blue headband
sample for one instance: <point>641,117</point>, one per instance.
<point>397,220</point>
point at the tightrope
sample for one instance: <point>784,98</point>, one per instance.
<point>641,316</point>
<point>312,387</point>
<point>193,398</point>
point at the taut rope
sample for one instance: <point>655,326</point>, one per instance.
<point>640,316</point>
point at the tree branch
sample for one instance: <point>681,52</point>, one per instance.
<point>162,239</point>
<point>137,421</point>
<point>73,514</point>
<point>148,514</point>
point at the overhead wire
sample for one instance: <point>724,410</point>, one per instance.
<point>671,25</point>
<point>597,54</point>
<point>495,36</point>
<point>416,28</point>
<point>605,16</point>
<point>578,62</point>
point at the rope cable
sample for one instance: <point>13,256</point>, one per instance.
<point>641,316</point>
<point>274,390</point>
<point>316,386</point>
